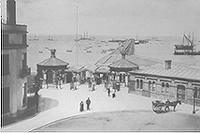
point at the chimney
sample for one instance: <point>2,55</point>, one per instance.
<point>53,53</point>
<point>168,64</point>
<point>11,12</point>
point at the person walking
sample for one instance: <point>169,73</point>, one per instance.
<point>108,91</point>
<point>88,102</point>
<point>113,95</point>
<point>81,106</point>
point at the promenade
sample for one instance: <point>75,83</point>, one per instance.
<point>64,103</point>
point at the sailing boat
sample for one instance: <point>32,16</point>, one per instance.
<point>35,38</point>
<point>50,38</point>
<point>187,49</point>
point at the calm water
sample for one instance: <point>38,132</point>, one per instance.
<point>88,52</point>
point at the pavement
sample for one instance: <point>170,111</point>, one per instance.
<point>68,105</point>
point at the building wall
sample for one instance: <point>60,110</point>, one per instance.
<point>13,79</point>
<point>163,88</point>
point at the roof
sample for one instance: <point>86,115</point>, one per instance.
<point>53,61</point>
<point>116,54</point>
<point>123,63</point>
<point>102,69</point>
<point>141,61</point>
<point>128,47</point>
<point>76,68</point>
<point>177,71</point>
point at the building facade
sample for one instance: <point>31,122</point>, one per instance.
<point>14,69</point>
<point>173,82</point>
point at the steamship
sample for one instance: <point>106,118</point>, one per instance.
<point>186,49</point>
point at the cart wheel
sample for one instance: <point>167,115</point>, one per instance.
<point>167,109</point>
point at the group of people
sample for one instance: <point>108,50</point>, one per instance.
<point>113,93</point>
<point>91,83</point>
<point>88,102</point>
<point>112,88</point>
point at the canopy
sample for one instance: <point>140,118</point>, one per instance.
<point>52,62</point>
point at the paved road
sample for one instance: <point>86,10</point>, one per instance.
<point>126,121</point>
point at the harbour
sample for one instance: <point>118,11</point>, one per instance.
<point>97,66</point>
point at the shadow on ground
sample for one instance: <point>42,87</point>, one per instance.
<point>140,120</point>
<point>46,104</point>
<point>31,111</point>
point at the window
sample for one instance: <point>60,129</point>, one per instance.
<point>24,39</point>
<point>5,64</point>
<point>149,85</point>
<point>167,88</point>
<point>163,87</point>
<point>141,84</point>
<point>153,86</point>
<point>197,92</point>
<point>24,61</point>
<point>137,83</point>
<point>15,38</point>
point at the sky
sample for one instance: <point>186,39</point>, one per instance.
<point>109,17</point>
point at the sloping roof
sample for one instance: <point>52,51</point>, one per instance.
<point>90,67</point>
<point>76,68</point>
<point>141,61</point>
<point>53,61</point>
<point>176,71</point>
<point>102,69</point>
<point>123,63</point>
<point>128,48</point>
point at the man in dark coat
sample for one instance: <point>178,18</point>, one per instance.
<point>81,106</point>
<point>108,91</point>
<point>113,95</point>
<point>88,102</point>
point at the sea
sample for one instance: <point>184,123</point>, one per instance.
<point>88,52</point>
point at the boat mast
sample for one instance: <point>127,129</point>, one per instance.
<point>76,37</point>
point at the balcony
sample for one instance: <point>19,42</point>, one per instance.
<point>14,28</point>
<point>25,72</point>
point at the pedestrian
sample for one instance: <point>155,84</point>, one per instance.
<point>113,95</point>
<point>88,102</point>
<point>81,106</point>
<point>108,91</point>
<point>93,85</point>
